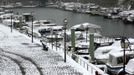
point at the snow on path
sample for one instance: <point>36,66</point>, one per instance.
<point>8,66</point>
<point>46,63</point>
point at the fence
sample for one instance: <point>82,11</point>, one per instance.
<point>85,64</point>
<point>90,67</point>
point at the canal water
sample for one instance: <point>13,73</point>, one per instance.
<point>110,27</point>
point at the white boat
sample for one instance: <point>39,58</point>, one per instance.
<point>18,4</point>
<point>1,13</point>
<point>69,6</point>
<point>82,48</point>
<point>6,16</point>
<point>112,13</point>
<point>102,11</point>
<point>54,37</point>
<point>38,23</point>
<point>127,16</point>
<point>48,29</point>
<point>9,22</point>
<point>101,54</point>
<point>94,10</point>
<point>91,28</point>
<point>29,6</point>
<point>7,6</point>
<point>10,19</point>
<point>115,62</point>
<point>129,67</point>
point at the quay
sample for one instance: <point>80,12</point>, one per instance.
<point>29,58</point>
<point>21,57</point>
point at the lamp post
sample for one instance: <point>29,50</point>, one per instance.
<point>11,21</point>
<point>52,37</point>
<point>32,25</point>
<point>124,45</point>
<point>64,28</point>
<point>56,37</point>
<point>86,32</point>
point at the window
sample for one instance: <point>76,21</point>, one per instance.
<point>106,52</point>
<point>46,22</point>
<point>110,58</point>
<point>128,57</point>
<point>119,60</point>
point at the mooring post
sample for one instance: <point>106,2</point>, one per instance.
<point>91,47</point>
<point>73,40</point>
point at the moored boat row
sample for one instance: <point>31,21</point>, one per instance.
<point>124,14</point>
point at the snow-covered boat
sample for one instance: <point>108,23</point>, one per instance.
<point>6,16</point>
<point>129,67</point>
<point>38,23</point>
<point>115,62</point>
<point>127,16</point>
<point>54,37</point>
<point>89,27</point>
<point>46,30</point>
<point>112,13</point>
<point>7,6</point>
<point>101,54</point>
<point>69,6</point>
<point>11,19</point>
<point>94,10</point>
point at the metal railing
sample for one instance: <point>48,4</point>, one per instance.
<point>90,67</point>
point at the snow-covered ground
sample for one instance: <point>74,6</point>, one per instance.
<point>19,56</point>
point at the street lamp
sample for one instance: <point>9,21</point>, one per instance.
<point>52,37</point>
<point>124,45</point>
<point>56,40</point>
<point>64,28</point>
<point>32,25</point>
<point>11,21</point>
<point>86,32</point>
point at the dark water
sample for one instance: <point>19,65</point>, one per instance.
<point>109,27</point>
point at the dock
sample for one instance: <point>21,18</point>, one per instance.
<point>29,58</point>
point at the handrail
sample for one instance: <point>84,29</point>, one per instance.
<point>92,67</point>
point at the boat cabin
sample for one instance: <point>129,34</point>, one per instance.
<point>27,16</point>
<point>38,23</point>
<point>50,29</point>
<point>115,61</point>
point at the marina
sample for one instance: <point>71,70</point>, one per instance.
<point>95,39</point>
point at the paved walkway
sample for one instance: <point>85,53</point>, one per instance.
<point>19,56</point>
